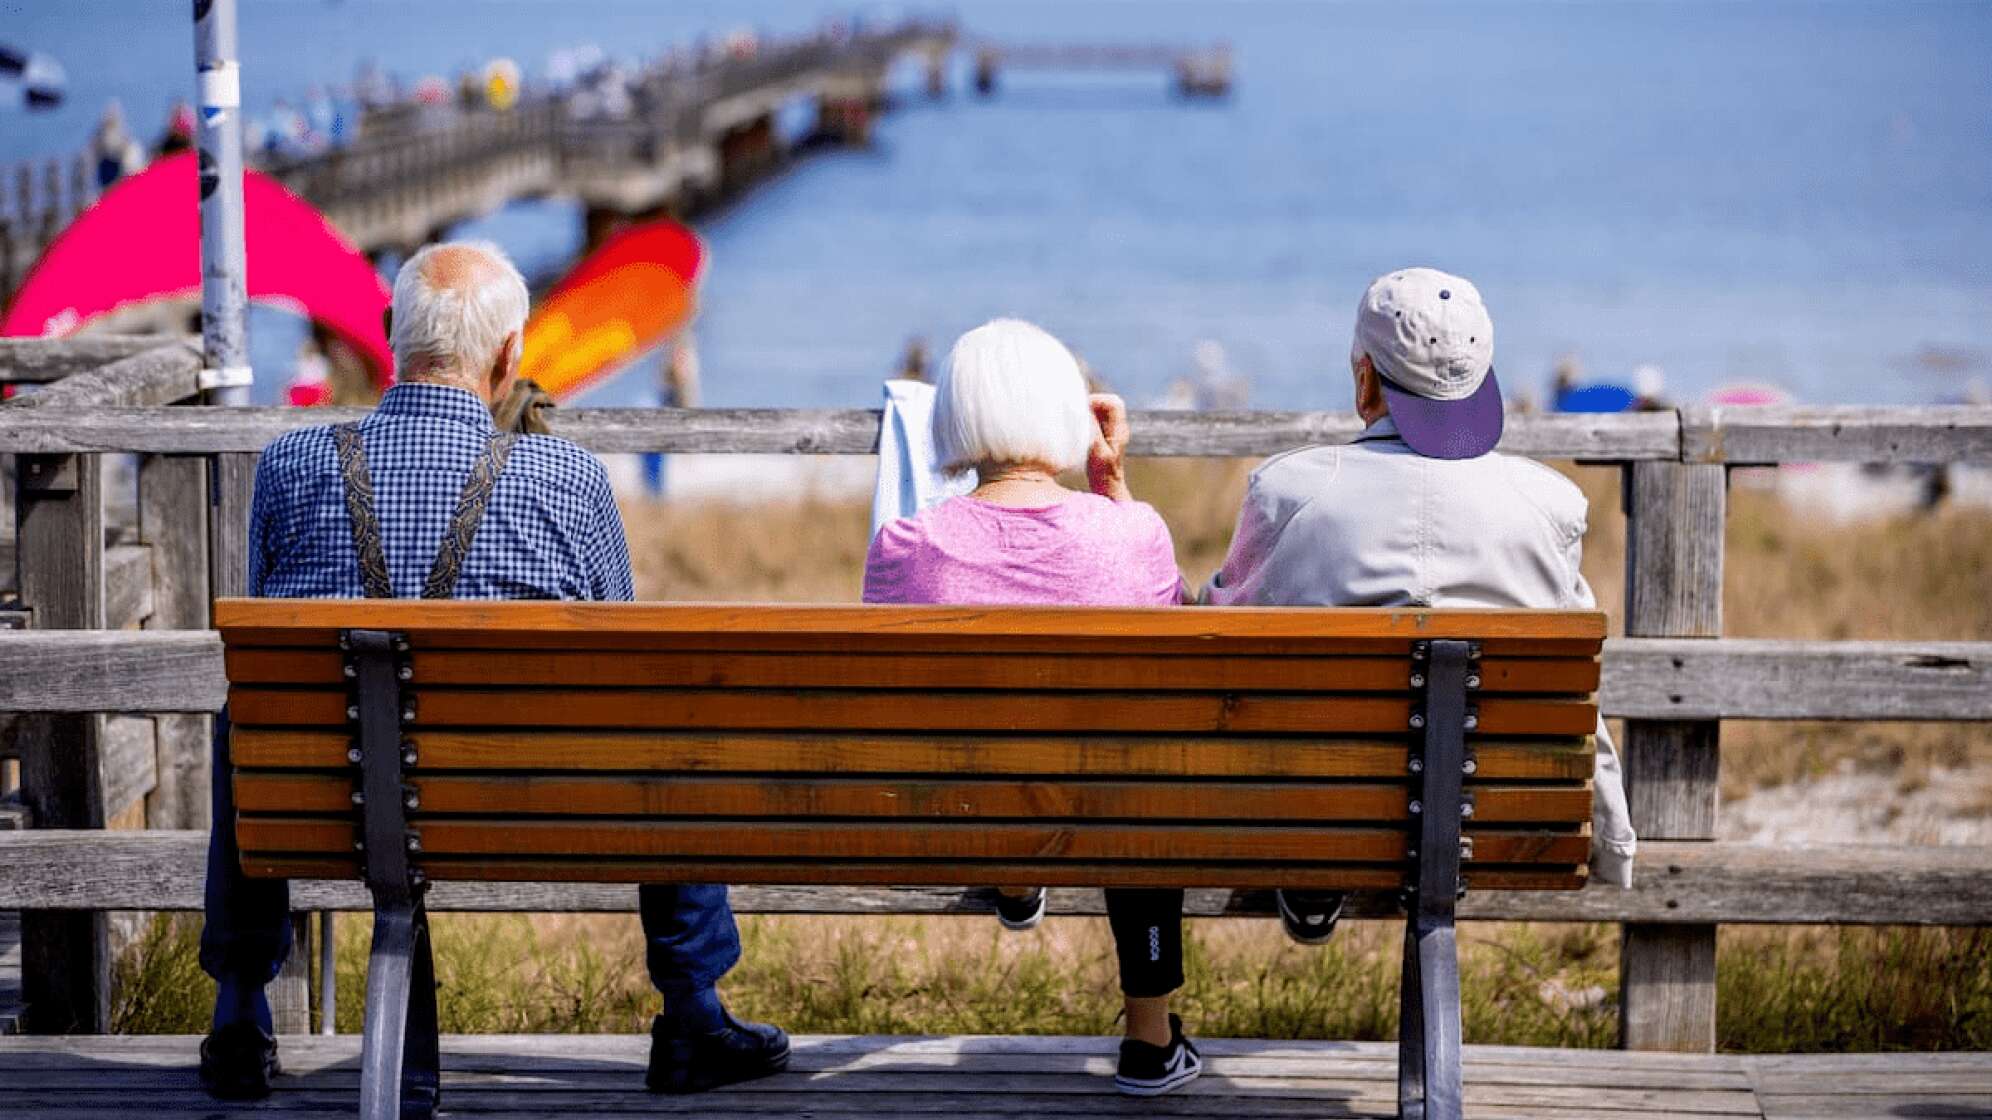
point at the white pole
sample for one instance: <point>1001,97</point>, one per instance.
<point>224,287</point>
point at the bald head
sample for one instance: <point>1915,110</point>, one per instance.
<point>459,309</point>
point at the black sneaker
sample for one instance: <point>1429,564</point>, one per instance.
<point>1147,1070</point>
<point>1309,916</point>
<point>684,1061</point>
<point>1020,914</point>
<point>237,1063</point>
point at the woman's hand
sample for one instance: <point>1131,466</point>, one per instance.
<point>1105,460</point>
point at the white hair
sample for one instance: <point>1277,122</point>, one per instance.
<point>1011,393</point>
<point>456,327</point>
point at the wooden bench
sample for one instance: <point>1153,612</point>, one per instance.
<point>1413,752</point>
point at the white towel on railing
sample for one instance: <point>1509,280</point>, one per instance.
<point>909,480</point>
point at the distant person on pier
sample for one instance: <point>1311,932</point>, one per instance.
<point>179,134</point>
<point>375,508</point>
<point>1011,403</point>
<point>677,387</point>
<point>113,152</point>
<point>1419,512</point>
<point>913,364</point>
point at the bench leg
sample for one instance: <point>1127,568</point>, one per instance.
<point>400,1068</point>
<point>400,1074</point>
<point>1428,1033</point>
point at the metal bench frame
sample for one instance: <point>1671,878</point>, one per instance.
<point>400,1062</point>
<point>400,1068</point>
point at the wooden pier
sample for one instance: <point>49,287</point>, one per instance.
<point>534,1078</point>
<point>698,133</point>
<point>129,511</point>
<point>1194,71</point>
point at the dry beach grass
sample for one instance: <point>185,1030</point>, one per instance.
<point>1789,575</point>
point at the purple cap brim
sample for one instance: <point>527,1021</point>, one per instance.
<point>1463,429</point>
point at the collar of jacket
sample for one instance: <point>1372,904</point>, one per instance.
<point>1383,429</point>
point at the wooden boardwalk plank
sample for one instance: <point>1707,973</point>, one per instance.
<point>81,1078</point>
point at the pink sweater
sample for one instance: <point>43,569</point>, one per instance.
<point>1084,551</point>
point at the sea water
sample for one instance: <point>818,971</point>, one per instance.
<point>1797,193</point>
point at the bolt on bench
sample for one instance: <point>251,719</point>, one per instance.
<point>1405,751</point>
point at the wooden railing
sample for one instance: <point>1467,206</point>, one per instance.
<point>1672,678</point>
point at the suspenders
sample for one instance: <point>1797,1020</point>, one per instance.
<point>457,538</point>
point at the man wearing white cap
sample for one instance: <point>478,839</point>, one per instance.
<point>1419,511</point>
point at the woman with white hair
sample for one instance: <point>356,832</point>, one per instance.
<point>1011,403</point>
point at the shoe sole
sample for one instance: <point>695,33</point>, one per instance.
<point>1029,923</point>
<point>768,1068</point>
<point>1177,1080</point>
<point>1290,922</point>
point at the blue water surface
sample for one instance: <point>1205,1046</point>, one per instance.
<point>1798,193</point>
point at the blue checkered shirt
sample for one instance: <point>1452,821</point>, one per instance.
<point>551,530</point>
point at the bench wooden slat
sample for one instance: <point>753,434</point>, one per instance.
<point>1186,672</point>
<point>1089,645</point>
<point>320,619</point>
<point>679,796</point>
<point>1050,841</point>
<point>1564,759</point>
<point>935,712</point>
<point>956,873</point>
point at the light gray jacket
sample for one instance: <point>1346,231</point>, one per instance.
<point>1375,524</point>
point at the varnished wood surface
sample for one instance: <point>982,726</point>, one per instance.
<point>1185,672</point>
<point>1568,759</point>
<point>905,841</point>
<point>943,873</point>
<point>292,793</point>
<point>670,709</point>
<point>1160,630</point>
<point>896,797</point>
<point>505,1076</point>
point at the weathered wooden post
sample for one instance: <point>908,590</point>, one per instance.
<point>65,955</point>
<point>1675,520</point>
<point>173,524</point>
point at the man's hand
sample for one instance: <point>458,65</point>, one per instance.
<point>1105,460</point>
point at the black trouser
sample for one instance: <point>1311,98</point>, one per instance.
<point>1148,938</point>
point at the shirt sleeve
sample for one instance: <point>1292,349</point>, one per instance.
<point>1252,541</point>
<point>609,578</point>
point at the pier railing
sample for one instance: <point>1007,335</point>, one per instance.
<point>131,511</point>
<point>415,170</point>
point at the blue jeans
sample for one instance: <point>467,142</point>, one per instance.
<point>689,930</point>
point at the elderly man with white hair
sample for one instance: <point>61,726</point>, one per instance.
<point>1420,511</point>
<point>426,497</point>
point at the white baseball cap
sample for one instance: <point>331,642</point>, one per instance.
<point>1432,343</point>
